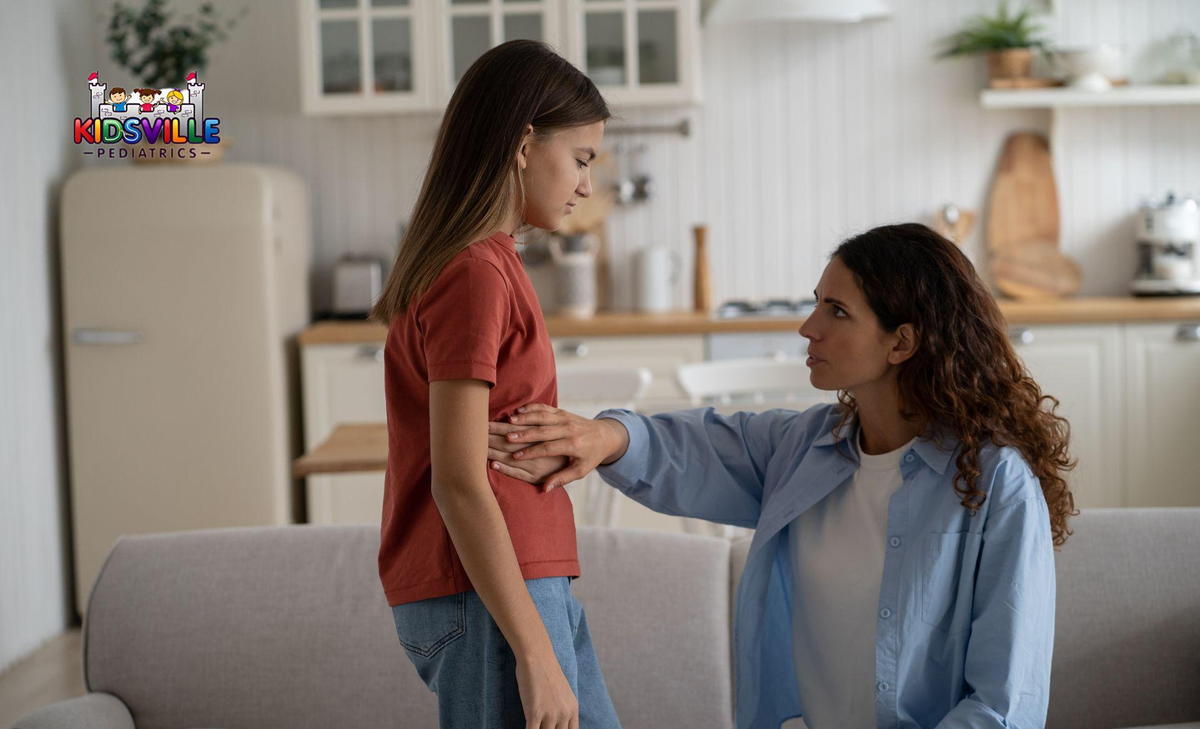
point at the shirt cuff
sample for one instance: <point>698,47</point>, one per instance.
<point>463,371</point>
<point>630,467</point>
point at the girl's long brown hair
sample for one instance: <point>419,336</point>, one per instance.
<point>472,183</point>
<point>965,376</point>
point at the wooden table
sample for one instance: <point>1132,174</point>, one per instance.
<point>350,447</point>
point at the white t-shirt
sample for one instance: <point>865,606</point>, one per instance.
<point>837,552</point>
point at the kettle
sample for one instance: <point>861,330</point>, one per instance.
<point>574,259</point>
<point>657,273</point>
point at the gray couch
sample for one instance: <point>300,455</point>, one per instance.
<point>287,627</point>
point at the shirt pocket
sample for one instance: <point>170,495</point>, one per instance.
<point>425,627</point>
<point>947,584</point>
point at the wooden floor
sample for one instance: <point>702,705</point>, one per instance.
<point>51,673</point>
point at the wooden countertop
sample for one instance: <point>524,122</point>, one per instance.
<point>1083,310</point>
<point>350,447</point>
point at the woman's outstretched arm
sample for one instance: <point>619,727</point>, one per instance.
<point>695,463</point>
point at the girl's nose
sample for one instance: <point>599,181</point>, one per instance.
<point>585,187</point>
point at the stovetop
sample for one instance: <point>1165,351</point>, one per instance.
<point>740,308</point>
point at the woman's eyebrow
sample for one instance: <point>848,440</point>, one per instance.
<point>830,299</point>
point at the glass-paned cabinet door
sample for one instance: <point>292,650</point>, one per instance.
<point>361,56</point>
<point>637,51</point>
<point>471,27</point>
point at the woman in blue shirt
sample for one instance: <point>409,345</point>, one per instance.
<point>902,569</point>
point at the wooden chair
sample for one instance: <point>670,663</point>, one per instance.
<point>587,390</point>
<point>758,383</point>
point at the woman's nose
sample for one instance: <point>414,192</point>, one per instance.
<point>585,187</point>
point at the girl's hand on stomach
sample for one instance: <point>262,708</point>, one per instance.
<point>550,432</point>
<point>530,470</point>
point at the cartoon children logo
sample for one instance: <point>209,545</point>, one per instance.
<point>161,117</point>
<point>146,96</point>
<point>117,97</point>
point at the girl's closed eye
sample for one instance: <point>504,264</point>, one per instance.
<point>582,162</point>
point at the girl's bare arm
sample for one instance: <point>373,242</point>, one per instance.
<point>458,437</point>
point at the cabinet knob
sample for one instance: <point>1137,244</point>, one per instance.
<point>573,349</point>
<point>1020,335</point>
<point>371,351</point>
<point>1188,333</point>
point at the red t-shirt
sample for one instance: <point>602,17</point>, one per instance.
<point>479,319</point>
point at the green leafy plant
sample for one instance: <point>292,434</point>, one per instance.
<point>1005,30</point>
<point>160,52</point>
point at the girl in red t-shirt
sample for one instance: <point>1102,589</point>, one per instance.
<point>477,565</point>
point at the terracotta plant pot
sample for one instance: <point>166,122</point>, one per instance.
<point>1012,63</point>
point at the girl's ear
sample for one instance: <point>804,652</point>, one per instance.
<point>523,148</point>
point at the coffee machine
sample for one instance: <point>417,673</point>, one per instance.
<point>1168,240</point>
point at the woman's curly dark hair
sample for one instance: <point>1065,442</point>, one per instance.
<point>965,376</point>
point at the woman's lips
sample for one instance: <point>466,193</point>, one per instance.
<point>811,361</point>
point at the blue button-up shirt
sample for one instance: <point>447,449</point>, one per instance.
<point>966,602</point>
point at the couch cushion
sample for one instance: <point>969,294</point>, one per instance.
<point>288,627</point>
<point>658,607</point>
<point>265,627</point>
<point>1127,630</point>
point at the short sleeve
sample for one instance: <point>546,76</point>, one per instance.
<point>463,317</point>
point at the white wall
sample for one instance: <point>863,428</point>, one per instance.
<point>44,46</point>
<point>808,133</point>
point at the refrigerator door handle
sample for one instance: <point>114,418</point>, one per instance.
<point>105,336</point>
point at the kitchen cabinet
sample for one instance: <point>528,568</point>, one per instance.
<point>638,52</point>
<point>1131,392</point>
<point>1081,366</point>
<point>363,56</point>
<point>661,355</point>
<point>342,383</point>
<point>370,56</point>
<point>1162,363</point>
<point>468,28</point>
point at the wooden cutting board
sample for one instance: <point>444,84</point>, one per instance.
<point>1023,206</point>
<point>1035,272</point>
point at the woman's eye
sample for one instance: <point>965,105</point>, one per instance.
<point>839,311</point>
<point>582,163</point>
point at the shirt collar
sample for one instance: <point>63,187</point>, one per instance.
<point>935,453</point>
<point>503,239</point>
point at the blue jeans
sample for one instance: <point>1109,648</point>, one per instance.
<point>462,656</point>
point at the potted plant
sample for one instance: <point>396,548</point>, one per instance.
<point>1008,38</point>
<point>160,52</point>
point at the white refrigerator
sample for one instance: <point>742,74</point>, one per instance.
<point>183,289</point>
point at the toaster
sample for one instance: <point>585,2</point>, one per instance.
<point>357,284</point>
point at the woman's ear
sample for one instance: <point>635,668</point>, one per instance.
<point>523,148</point>
<point>906,344</point>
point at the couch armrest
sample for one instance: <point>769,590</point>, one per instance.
<point>94,711</point>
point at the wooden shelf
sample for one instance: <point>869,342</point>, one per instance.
<point>1178,95</point>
